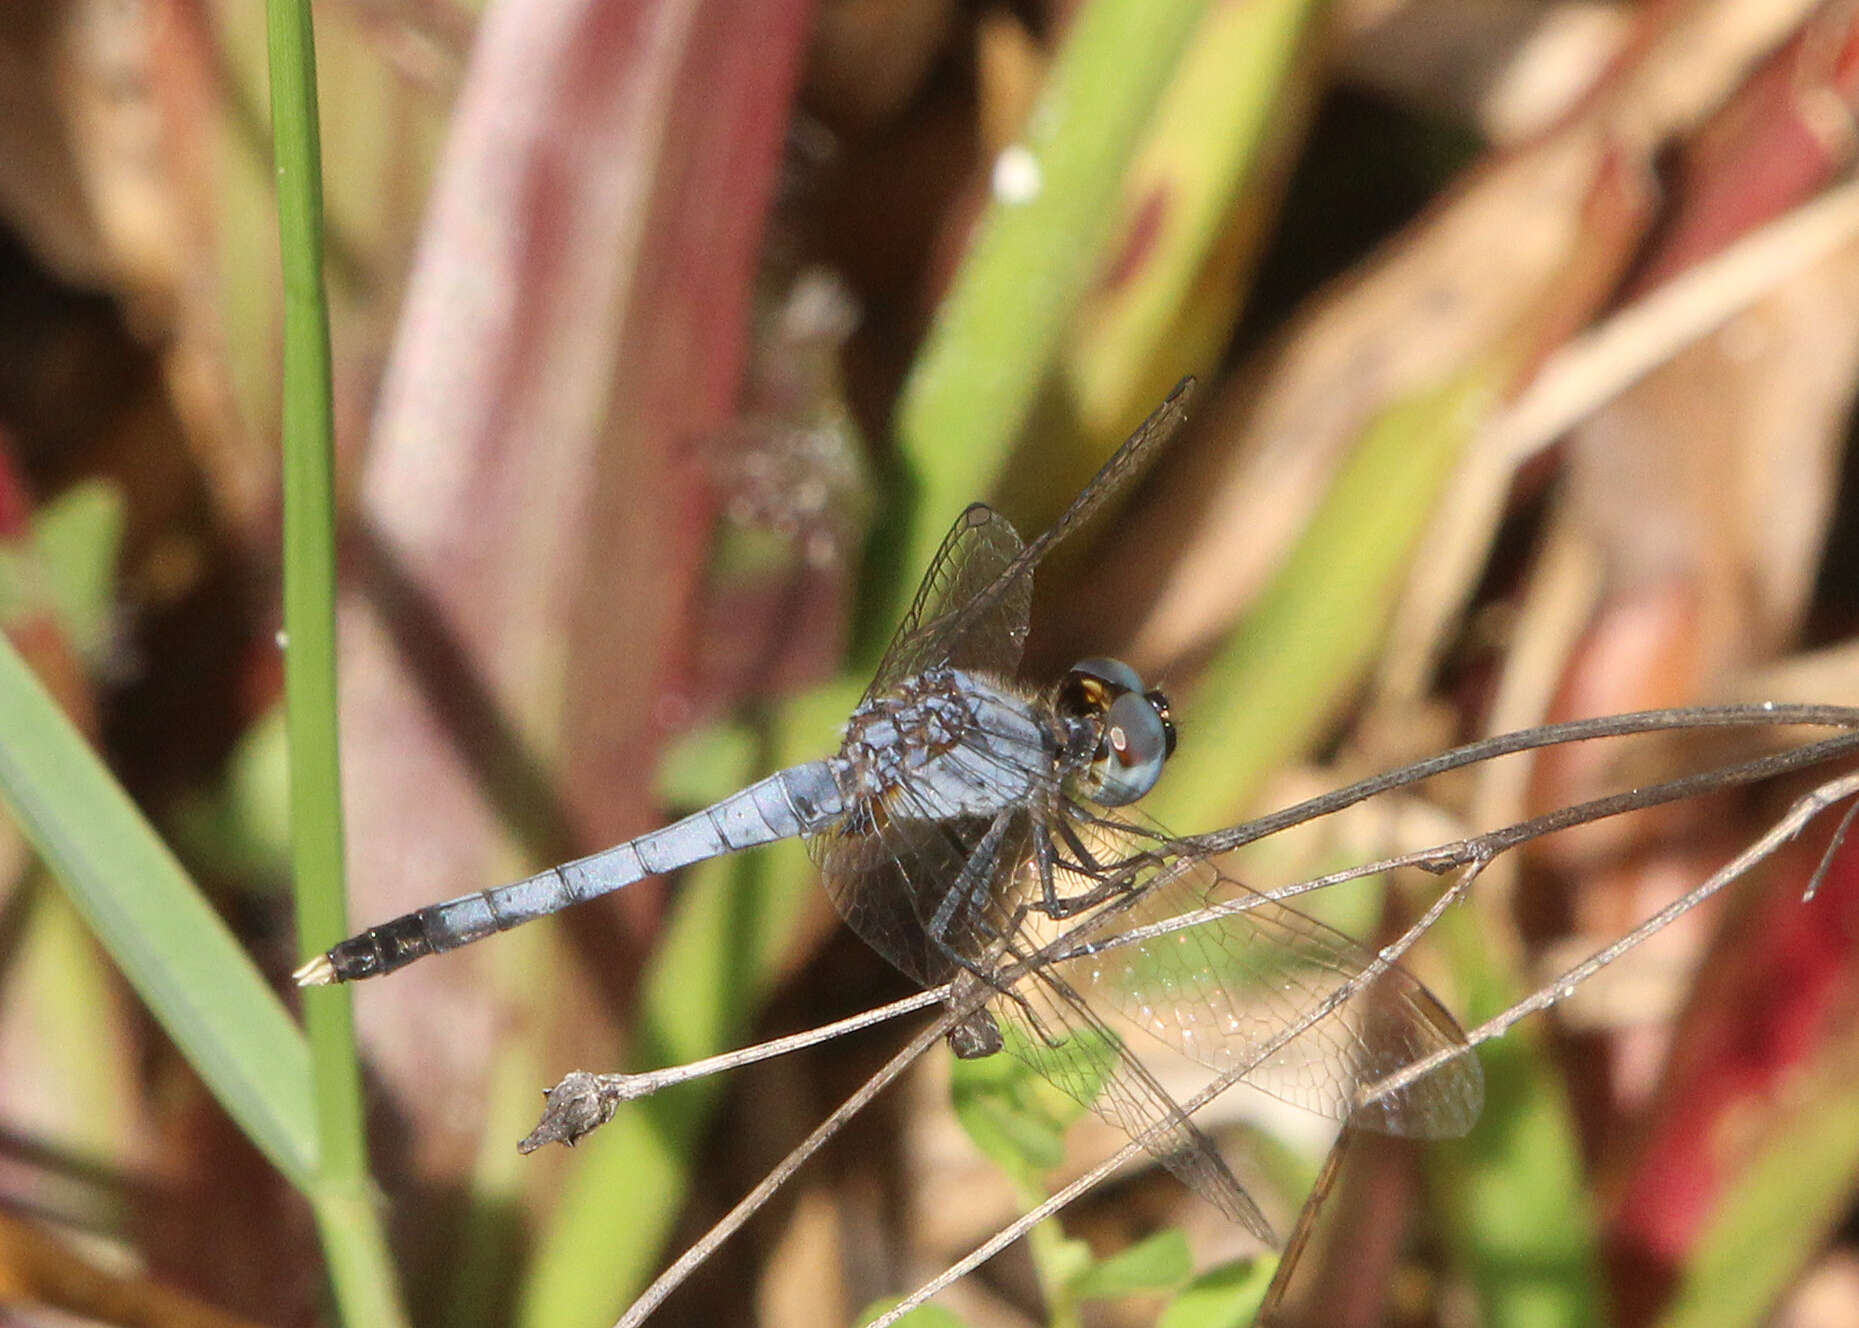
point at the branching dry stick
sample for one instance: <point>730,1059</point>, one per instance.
<point>1834,845</point>
<point>1469,856</point>
<point>1805,809</point>
<point>1797,818</point>
<point>688,1262</point>
<point>583,1101</point>
<point>1384,959</point>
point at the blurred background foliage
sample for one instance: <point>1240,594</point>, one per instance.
<point>669,336</point>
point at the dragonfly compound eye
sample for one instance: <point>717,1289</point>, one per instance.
<point>1137,741</point>
<point>1120,676</point>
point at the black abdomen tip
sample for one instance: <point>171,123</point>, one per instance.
<point>376,951</point>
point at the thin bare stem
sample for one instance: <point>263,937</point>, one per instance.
<point>688,1262</point>
<point>1457,853</point>
<point>1819,878</point>
<point>1757,714</point>
<point>644,1083</point>
<point>1797,819</point>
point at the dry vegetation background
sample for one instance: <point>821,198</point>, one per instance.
<point>1528,336</point>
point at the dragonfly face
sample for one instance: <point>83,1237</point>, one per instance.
<point>1122,735</point>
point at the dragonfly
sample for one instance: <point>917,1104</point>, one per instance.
<point>981,833</point>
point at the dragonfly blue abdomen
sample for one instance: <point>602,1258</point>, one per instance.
<point>801,800</point>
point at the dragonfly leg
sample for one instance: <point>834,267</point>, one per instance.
<point>969,894</point>
<point>1021,964</point>
<point>1043,864</point>
<point>1113,879</point>
<point>1110,878</point>
<point>979,1035</point>
<point>1114,883</point>
<point>971,886</point>
<point>1084,861</point>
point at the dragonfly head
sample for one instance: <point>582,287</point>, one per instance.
<point>1133,732</point>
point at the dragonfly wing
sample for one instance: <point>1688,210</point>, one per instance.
<point>893,868</point>
<point>1122,466</point>
<point>1048,1027</point>
<point>892,887</point>
<point>973,606</point>
<point>964,614</point>
<point>1283,1002</point>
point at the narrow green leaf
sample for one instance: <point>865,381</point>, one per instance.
<point>1160,1263</point>
<point>1783,1206</point>
<point>169,943</point>
<point>1514,1205</point>
<point>1306,645</point>
<point>1014,1112</point>
<point>1003,1118</point>
<point>1225,1297</point>
<point>61,990</point>
<point>1035,252</point>
<point>696,767</point>
<point>79,536</point>
<point>1196,169</point>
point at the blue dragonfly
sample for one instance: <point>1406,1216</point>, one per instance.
<point>968,824</point>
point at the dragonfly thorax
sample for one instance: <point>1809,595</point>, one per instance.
<point>944,743</point>
<point>1118,735</point>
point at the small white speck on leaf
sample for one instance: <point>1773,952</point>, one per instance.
<point>1017,176</point>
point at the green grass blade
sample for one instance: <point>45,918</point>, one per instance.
<point>168,941</point>
<point>1182,264</point>
<point>1511,1196</point>
<point>1307,644</point>
<point>309,578</point>
<point>1782,1207</point>
<point>1003,323</point>
<point>1225,1297</point>
<point>354,1242</point>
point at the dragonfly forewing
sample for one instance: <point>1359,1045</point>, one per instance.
<point>972,830</point>
<point>1046,1027</point>
<point>1245,986</point>
<point>964,615</point>
<point>973,606</point>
